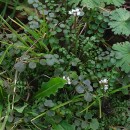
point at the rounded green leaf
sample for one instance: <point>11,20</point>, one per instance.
<point>88,97</point>
<point>20,66</point>
<point>43,62</point>
<point>32,65</point>
<point>49,103</point>
<point>80,89</point>
<point>52,15</point>
<point>50,62</point>
<point>94,125</point>
<point>30,1</point>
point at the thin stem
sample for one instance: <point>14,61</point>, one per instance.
<point>35,43</point>
<point>76,99</point>
<point>76,41</point>
<point>100,108</point>
<point>83,29</point>
<point>119,89</point>
<point>39,77</point>
<point>14,90</point>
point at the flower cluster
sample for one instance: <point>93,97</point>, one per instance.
<point>76,12</point>
<point>104,82</point>
<point>67,79</point>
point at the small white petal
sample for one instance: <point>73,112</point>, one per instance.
<point>69,82</point>
<point>68,78</point>
<point>105,81</point>
<point>105,87</point>
<point>77,10</point>
<point>75,14</point>
<point>70,12</point>
<point>73,11</point>
<point>78,13</point>
<point>64,77</point>
<point>100,82</point>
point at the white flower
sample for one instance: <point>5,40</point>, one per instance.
<point>103,81</point>
<point>70,12</point>
<point>76,12</point>
<point>105,87</point>
<point>67,79</point>
<point>64,77</point>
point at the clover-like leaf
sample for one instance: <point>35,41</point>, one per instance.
<point>35,5</point>
<point>52,15</point>
<point>32,65</point>
<point>120,21</point>
<point>42,62</point>
<point>94,125</point>
<point>48,56</point>
<point>30,1</point>
<point>25,57</point>
<point>88,97</point>
<point>87,82</point>
<point>46,12</point>
<point>50,113</point>
<point>49,103</point>
<point>80,89</point>
<point>20,66</point>
<point>84,124</point>
<point>50,62</point>
<point>122,51</point>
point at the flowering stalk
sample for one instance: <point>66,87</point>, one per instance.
<point>104,82</point>
<point>67,79</point>
<point>76,13</point>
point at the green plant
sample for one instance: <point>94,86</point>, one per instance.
<point>87,3</point>
<point>100,3</point>
<point>58,71</point>
<point>9,7</point>
<point>120,21</point>
<point>122,55</point>
<point>115,2</point>
<point>50,88</point>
